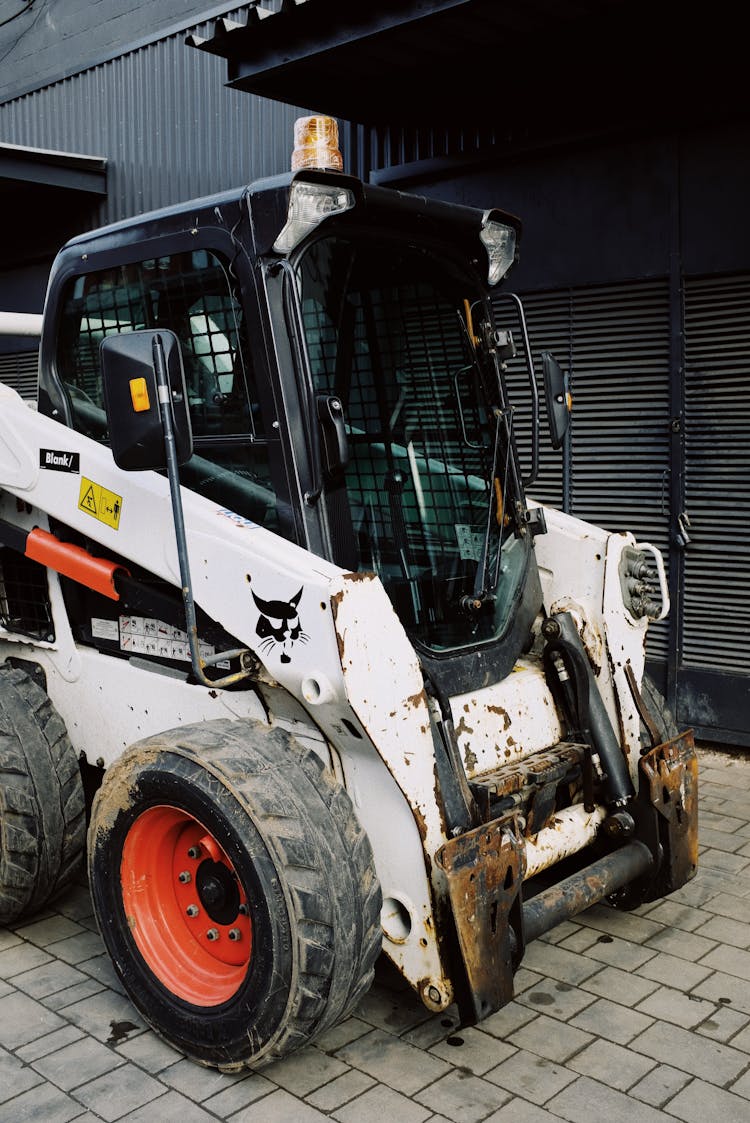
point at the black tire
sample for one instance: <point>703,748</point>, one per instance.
<point>42,807</point>
<point>285,833</point>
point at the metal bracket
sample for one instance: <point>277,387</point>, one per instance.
<point>671,773</point>
<point>484,870</point>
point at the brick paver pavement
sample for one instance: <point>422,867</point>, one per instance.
<point>629,1017</point>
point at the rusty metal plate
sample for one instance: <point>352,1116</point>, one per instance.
<point>484,870</point>
<point>671,772</point>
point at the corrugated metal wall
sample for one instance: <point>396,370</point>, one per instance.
<point>717,452</point>
<point>164,119</point>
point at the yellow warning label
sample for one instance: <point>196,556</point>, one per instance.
<point>96,500</point>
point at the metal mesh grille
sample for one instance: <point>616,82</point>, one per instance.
<point>407,461</point>
<point>189,293</point>
<point>428,478</point>
<point>24,598</point>
<point>20,372</point>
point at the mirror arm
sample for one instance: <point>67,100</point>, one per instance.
<point>164,392</point>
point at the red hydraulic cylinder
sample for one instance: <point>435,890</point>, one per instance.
<point>73,561</point>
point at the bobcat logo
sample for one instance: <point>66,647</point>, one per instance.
<point>278,623</point>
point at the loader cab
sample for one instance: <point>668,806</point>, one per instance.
<point>346,388</point>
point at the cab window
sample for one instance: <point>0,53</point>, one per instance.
<point>237,457</point>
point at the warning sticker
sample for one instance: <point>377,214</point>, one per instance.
<point>102,504</point>
<point>153,637</point>
<point>470,542</point>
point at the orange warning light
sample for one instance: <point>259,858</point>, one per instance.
<point>139,395</point>
<point>316,144</point>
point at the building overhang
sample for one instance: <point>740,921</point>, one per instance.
<point>41,168</point>
<point>45,197</point>
<point>562,68</point>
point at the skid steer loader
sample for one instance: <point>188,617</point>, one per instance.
<point>284,645</point>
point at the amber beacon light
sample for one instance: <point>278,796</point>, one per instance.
<point>316,144</point>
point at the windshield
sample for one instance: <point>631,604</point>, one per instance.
<point>431,484</point>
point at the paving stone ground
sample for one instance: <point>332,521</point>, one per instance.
<point>626,1017</point>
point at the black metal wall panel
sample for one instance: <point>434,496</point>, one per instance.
<point>620,423</point>
<point>614,341</point>
<point>717,470</point>
<point>162,117</point>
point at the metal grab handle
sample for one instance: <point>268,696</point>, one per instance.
<point>530,479</point>
<point>647,547</point>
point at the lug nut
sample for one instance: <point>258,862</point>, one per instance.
<point>243,910</point>
<point>185,877</point>
<point>192,910</point>
<point>235,934</point>
<point>212,934</point>
<point>194,852</point>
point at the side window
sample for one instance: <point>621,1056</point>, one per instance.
<point>235,462</point>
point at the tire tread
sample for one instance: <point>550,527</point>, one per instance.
<point>42,808</point>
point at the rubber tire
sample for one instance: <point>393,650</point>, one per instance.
<point>42,806</point>
<point>302,858</point>
<point>660,712</point>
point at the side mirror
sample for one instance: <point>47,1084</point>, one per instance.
<point>131,398</point>
<point>556,397</point>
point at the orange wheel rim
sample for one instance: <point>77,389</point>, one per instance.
<point>185,906</point>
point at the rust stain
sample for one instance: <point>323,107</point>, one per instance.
<point>419,819</point>
<point>416,700</point>
<point>470,759</point>
<point>462,729</point>
<point>362,575</point>
<point>501,713</point>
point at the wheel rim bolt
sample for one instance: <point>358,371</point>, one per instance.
<point>194,852</point>
<point>192,910</point>
<point>243,910</point>
<point>212,934</point>
<point>185,877</point>
<point>235,934</point>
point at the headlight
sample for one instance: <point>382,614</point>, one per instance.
<point>500,242</point>
<point>309,205</point>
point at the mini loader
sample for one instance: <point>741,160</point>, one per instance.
<point>286,648</point>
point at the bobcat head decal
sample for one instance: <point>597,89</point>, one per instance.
<point>278,623</point>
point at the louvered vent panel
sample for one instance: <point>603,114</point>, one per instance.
<point>717,453</point>
<point>20,372</point>
<point>614,340</point>
<point>620,423</point>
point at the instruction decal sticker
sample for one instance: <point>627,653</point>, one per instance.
<point>101,504</point>
<point>59,461</point>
